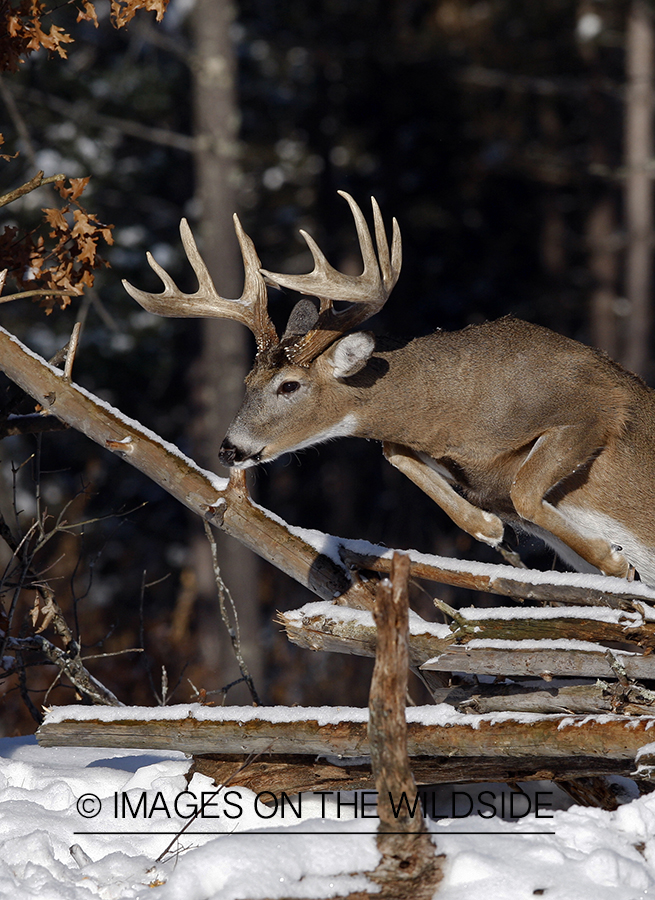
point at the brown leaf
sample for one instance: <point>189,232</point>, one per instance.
<point>123,11</point>
<point>56,218</point>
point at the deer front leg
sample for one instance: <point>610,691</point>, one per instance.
<point>556,454</point>
<point>483,526</point>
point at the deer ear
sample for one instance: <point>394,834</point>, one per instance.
<point>303,318</point>
<point>349,355</point>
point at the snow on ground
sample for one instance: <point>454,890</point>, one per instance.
<point>86,823</point>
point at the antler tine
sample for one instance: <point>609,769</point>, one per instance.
<point>389,266</point>
<point>367,293</point>
<point>250,308</point>
<point>254,287</point>
<point>326,282</point>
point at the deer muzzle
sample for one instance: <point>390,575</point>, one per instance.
<point>230,455</point>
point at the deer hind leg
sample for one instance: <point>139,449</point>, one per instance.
<point>556,454</point>
<point>483,526</point>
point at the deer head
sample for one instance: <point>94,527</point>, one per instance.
<point>292,390</point>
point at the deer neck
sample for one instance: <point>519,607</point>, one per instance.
<point>425,375</point>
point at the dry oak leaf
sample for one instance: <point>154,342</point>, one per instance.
<point>123,11</point>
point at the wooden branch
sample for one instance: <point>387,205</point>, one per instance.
<point>431,731</point>
<point>520,584</point>
<point>599,626</point>
<point>579,662</point>
<point>555,696</point>
<point>334,628</point>
<point>338,629</point>
<point>69,664</point>
<point>90,116</point>
<point>40,292</point>
<point>29,186</point>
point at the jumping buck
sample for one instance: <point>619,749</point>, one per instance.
<point>504,422</point>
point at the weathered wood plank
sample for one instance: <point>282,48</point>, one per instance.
<point>431,731</point>
<point>335,629</point>
<point>546,663</point>
<point>521,584</point>
<point>557,696</point>
<point>449,648</point>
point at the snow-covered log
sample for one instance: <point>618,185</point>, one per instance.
<point>341,731</point>
<point>544,659</point>
<point>521,584</point>
<point>544,642</point>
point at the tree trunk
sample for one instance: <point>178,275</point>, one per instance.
<point>603,268</point>
<point>217,379</point>
<point>638,199</point>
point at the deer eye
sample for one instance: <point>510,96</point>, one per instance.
<point>288,387</point>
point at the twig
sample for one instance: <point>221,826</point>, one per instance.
<point>40,292</point>
<point>233,632</point>
<point>249,760</point>
<point>78,112</point>
<point>70,665</point>
<point>72,350</point>
<point>30,185</point>
<point>68,660</point>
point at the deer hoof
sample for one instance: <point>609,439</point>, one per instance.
<point>616,565</point>
<point>494,530</point>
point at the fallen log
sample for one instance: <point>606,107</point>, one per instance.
<point>341,731</point>
<point>537,642</point>
<point>524,658</point>
<point>520,584</point>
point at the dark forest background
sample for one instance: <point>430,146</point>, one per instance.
<point>499,135</point>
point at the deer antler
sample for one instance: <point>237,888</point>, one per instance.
<point>250,309</point>
<point>367,293</point>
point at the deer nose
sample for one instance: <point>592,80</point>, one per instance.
<point>227,455</point>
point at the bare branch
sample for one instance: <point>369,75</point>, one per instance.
<point>84,112</point>
<point>40,292</point>
<point>70,665</point>
<point>72,350</point>
<point>30,185</point>
<point>232,630</point>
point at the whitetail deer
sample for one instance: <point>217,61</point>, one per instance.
<point>504,422</point>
